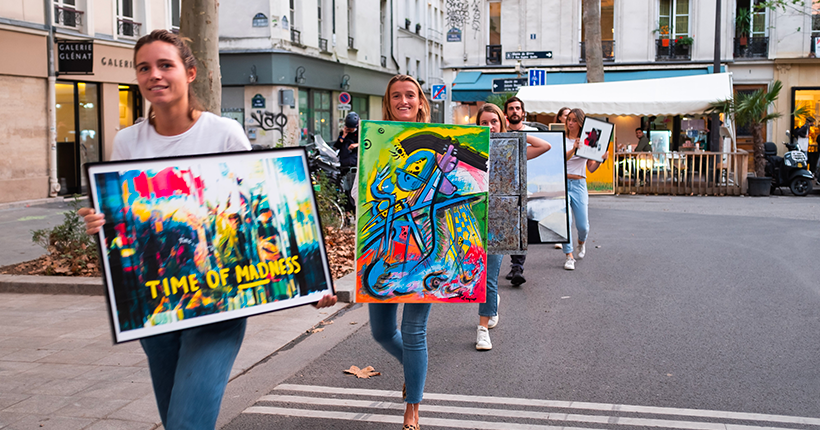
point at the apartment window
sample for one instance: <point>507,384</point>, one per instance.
<point>320,17</point>
<point>350,25</point>
<point>175,8</point>
<point>495,23</point>
<point>673,18</point>
<point>66,13</point>
<point>292,13</point>
<point>126,25</point>
<point>407,66</point>
<point>418,70</point>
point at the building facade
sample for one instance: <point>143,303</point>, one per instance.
<point>640,39</point>
<point>288,66</point>
<point>95,92</point>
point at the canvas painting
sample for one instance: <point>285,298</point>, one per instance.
<point>547,203</point>
<point>595,138</point>
<point>190,241</point>
<point>421,232</point>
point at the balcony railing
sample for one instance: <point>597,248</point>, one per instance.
<point>323,44</point>
<point>673,51</point>
<point>755,47</point>
<point>295,36</point>
<point>384,61</point>
<point>607,49</point>
<point>67,16</point>
<point>493,54</point>
<point>127,27</point>
<point>350,44</point>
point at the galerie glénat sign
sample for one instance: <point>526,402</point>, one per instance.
<point>75,57</point>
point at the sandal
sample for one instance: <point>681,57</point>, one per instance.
<point>410,427</point>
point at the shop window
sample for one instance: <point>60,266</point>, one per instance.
<point>78,133</point>
<point>260,20</point>
<point>304,114</point>
<point>321,114</point>
<point>808,98</point>
<point>130,105</point>
<point>360,106</point>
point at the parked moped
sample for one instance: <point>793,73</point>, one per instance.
<point>789,170</point>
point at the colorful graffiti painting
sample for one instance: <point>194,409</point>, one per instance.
<point>422,213</point>
<point>197,240</point>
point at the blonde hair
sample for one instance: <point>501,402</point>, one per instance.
<point>423,114</point>
<point>491,108</point>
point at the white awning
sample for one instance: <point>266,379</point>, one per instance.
<point>664,96</point>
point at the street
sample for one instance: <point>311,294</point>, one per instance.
<point>687,312</point>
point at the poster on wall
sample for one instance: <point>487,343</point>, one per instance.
<point>190,241</point>
<point>547,202</point>
<point>421,231</point>
<point>595,138</point>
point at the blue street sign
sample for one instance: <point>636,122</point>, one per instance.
<point>538,77</point>
<point>439,92</point>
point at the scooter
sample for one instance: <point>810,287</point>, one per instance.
<point>790,170</point>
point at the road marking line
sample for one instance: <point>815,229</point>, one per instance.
<point>521,414</point>
<point>396,419</point>
<point>701,413</point>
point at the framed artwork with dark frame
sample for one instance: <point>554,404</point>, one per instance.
<point>595,138</point>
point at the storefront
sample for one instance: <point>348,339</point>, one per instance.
<point>808,98</point>
<point>800,78</point>
<point>286,98</point>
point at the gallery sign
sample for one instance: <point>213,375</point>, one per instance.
<point>75,56</point>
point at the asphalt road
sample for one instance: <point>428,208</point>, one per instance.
<point>710,306</point>
<point>17,224</point>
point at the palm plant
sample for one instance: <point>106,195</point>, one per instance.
<point>752,110</point>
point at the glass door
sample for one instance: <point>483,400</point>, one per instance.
<point>78,133</point>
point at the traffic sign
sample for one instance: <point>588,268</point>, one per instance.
<point>508,85</point>
<point>343,106</point>
<point>537,77</point>
<point>439,92</point>
<point>527,55</point>
<point>344,98</point>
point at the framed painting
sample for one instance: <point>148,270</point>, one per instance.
<point>547,202</point>
<point>595,138</point>
<point>421,232</point>
<point>190,241</point>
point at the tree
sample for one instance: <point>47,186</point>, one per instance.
<point>752,110</point>
<point>594,55</point>
<point>199,22</point>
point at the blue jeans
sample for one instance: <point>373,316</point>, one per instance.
<point>190,369</point>
<point>408,346</point>
<point>490,307</point>
<point>579,203</point>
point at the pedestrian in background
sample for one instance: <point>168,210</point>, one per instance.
<point>490,115</point>
<point>189,368</point>
<point>577,186</point>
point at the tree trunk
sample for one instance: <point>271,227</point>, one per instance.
<point>759,152</point>
<point>592,40</point>
<point>199,22</point>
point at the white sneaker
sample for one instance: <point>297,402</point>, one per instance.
<point>482,341</point>
<point>582,250</point>
<point>557,246</point>
<point>569,264</point>
<point>494,320</point>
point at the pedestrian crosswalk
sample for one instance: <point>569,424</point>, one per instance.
<point>504,413</point>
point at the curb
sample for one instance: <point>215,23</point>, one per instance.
<point>32,284</point>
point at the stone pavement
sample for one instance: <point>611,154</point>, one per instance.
<point>60,370</point>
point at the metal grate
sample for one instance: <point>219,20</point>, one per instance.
<point>350,44</point>
<point>673,51</point>
<point>384,61</point>
<point>323,44</point>
<point>68,17</point>
<point>129,28</point>
<point>295,36</point>
<point>755,47</point>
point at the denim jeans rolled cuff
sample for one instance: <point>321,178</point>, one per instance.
<point>517,261</point>
<point>490,307</point>
<point>190,370</point>
<point>579,205</point>
<point>409,345</point>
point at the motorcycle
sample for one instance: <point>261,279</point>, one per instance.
<point>790,170</point>
<point>324,161</point>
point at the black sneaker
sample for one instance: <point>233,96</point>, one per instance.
<point>517,277</point>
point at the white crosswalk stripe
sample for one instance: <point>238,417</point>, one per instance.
<point>619,415</point>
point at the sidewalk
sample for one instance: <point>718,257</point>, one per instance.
<point>59,369</point>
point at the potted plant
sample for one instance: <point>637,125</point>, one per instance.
<point>407,23</point>
<point>418,28</point>
<point>743,25</point>
<point>752,110</point>
<point>663,31</point>
<point>684,41</point>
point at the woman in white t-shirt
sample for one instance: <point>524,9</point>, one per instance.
<point>577,186</point>
<point>189,368</point>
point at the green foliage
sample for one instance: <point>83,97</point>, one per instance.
<point>69,239</point>
<point>329,199</point>
<point>499,99</point>
<point>743,22</point>
<point>685,41</point>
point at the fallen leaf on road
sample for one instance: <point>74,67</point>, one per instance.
<point>353,323</point>
<point>327,322</point>
<point>365,373</point>
<point>315,330</point>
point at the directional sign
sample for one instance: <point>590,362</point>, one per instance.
<point>439,92</point>
<point>344,98</point>
<point>528,55</point>
<point>508,85</point>
<point>537,77</point>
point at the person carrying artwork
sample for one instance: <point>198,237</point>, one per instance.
<point>490,115</point>
<point>516,114</point>
<point>577,186</point>
<point>189,368</point>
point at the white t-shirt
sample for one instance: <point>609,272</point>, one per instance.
<point>576,165</point>
<point>210,134</point>
<point>524,128</point>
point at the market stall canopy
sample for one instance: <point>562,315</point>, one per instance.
<point>665,96</point>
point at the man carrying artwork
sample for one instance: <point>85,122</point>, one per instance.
<point>514,110</point>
